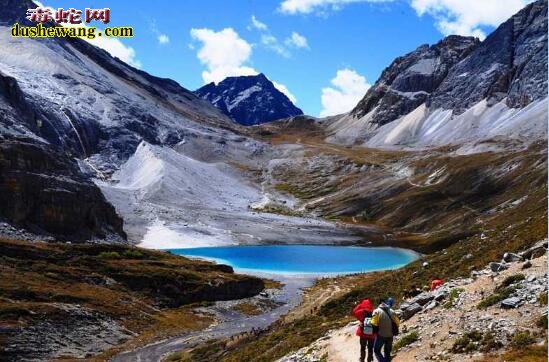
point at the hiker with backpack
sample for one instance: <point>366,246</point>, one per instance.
<point>386,323</point>
<point>363,312</point>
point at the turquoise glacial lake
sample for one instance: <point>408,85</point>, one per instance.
<point>303,259</point>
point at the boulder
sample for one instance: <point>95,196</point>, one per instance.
<point>440,294</point>
<point>496,267</point>
<point>511,257</point>
<point>407,310</point>
<point>535,251</point>
<point>510,303</point>
<point>431,305</point>
<point>527,264</point>
<point>422,298</point>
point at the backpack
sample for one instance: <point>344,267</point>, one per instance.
<point>394,327</point>
<point>367,327</point>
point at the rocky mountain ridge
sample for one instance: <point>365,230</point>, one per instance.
<point>410,79</point>
<point>249,100</point>
<point>458,90</point>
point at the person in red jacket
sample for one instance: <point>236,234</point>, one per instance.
<point>363,312</point>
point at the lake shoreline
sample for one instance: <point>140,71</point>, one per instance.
<point>303,261</point>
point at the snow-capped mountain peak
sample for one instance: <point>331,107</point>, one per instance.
<point>249,100</point>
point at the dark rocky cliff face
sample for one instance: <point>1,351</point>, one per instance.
<point>249,100</point>
<point>43,191</point>
<point>15,11</point>
<point>511,62</point>
<point>460,71</point>
<point>410,79</point>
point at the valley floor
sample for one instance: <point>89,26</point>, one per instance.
<point>231,318</point>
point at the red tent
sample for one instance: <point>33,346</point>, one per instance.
<point>436,283</point>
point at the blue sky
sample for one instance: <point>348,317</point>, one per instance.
<point>325,53</point>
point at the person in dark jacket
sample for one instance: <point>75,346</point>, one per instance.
<point>363,312</point>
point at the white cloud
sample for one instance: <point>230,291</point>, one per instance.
<point>268,39</point>
<point>224,53</point>
<point>117,49</point>
<point>281,87</point>
<point>465,17</point>
<point>163,39</point>
<point>258,24</point>
<point>349,88</point>
<point>272,43</point>
<point>297,40</point>
<point>112,45</point>
<point>462,17</point>
<point>317,6</point>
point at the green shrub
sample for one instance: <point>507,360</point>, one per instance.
<point>497,297</point>
<point>542,321</point>
<point>406,340</point>
<point>522,339</point>
<point>511,279</point>
<point>476,341</point>
<point>469,342</point>
<point>542,298</point>
<point>489,342</point>
<point>109,255</point>
<point>454,294</point>
<point>132,254</point>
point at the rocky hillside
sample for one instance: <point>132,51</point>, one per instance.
<point>459,90</point>
<point>495,314</point>
<point>249,100</point>
<point>122,106</point>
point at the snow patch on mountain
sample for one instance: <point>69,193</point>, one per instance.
<point>424,66</point>
<point>245,94</point>
<point>141,171</point>
<point>161,236</point>
<point>425,127</point>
